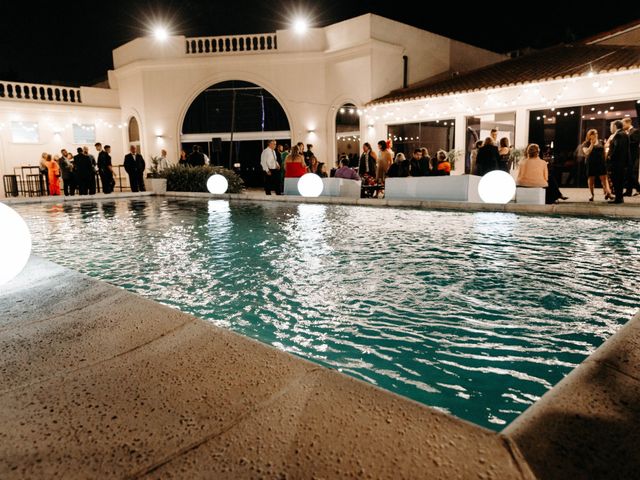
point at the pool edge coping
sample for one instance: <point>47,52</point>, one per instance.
<point>629,212</point>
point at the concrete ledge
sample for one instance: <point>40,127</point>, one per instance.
<point>587,426</point>
<point>98,382</point>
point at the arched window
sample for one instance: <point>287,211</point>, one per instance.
<point>348,132</point>
<point>134,132</point>
<point>232,122</point>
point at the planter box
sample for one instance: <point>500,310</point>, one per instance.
<point>156,185</point>
<point>454,188</point>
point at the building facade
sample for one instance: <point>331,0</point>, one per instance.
<point>404,84</point>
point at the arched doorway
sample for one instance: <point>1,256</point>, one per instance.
<point>134,132</point>
<point>232,122</point>
<point>348,132</point>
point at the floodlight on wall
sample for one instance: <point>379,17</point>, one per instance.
<point>217,184</point>
<point>15,243</point>
<point>497,187</point>
<point>310,185</point>
<point>300,26</point>
<point>160,33</point>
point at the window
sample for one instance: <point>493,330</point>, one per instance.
<point>434,135</point>
<point>25,132</point>
<point>560,132</point>
<point>84,133</point>
<point>479,128</point>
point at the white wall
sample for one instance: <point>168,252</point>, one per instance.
<point>52,118</point>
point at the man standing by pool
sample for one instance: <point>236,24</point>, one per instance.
<point>271,168</point>
<point>618,159</point>
<point>131,167</point>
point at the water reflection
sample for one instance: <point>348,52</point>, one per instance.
<point>109,209</point>
<point>88,210</point>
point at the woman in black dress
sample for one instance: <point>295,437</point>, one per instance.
<point>505,155</point>
<point>594,153</point>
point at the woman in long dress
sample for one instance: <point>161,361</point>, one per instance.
<point>53,171</point>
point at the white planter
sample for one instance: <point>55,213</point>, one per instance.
<point>156,185</point>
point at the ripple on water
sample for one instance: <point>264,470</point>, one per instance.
<point>477,314</point>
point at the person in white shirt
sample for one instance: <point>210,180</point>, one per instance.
<point>163,163</point>
<point>271,168</point>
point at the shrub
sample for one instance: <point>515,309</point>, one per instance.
<point>194,179</point>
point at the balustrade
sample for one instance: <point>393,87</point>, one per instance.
<point>231,44</point>
<point>38,93</point>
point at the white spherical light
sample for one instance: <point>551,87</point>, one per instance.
<point>310,185</point>
<point>217,184</point>
<point>15,243</point>
<point>497,187</point>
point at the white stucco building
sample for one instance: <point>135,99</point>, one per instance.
<point>395,76</point>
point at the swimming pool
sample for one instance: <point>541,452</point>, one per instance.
<point>477,314</point>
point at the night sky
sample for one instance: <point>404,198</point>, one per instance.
<point>71,42</point>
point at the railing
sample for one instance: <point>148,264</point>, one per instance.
<point>39,93</point>
<point>232,44</point>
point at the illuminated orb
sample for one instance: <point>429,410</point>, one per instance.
<point>217,184</point>
<point>310,185</point>
<point>497,187</point>
<point>15,243</point>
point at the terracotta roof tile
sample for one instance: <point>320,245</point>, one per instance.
<point>553,63</point>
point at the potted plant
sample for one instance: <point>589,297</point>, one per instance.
<point>452,156</point>
<point>157,184</point>
<point>514,158</point>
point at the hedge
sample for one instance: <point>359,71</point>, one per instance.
<point>194,179</point>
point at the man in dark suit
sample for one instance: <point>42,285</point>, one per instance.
<point>618,159</point>
<point>634,157</point>
<point>131,167</point>
<point>105,169</point>
<point>140,166</point>
<point>84,171</point>
<point>196,158</point>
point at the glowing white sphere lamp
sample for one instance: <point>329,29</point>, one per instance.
<point>310,185</point>
<point>15,243</point>
<point>217,184</point>
<point>160,33</point>
<point>497,187</point>
<point>300,26</point>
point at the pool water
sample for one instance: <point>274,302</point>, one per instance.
<point>477,314</point>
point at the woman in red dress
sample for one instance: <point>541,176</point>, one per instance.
<point>294,166</point>
<point>54,175</point>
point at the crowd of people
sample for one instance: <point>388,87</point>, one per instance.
<point>79,174</point>
<point>615,162</point>
<point>281,161</point>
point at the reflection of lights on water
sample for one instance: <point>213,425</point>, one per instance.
<point>15,243</point>
<point>218,206</point>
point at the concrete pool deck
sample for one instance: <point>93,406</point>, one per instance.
<point>101,383</point>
